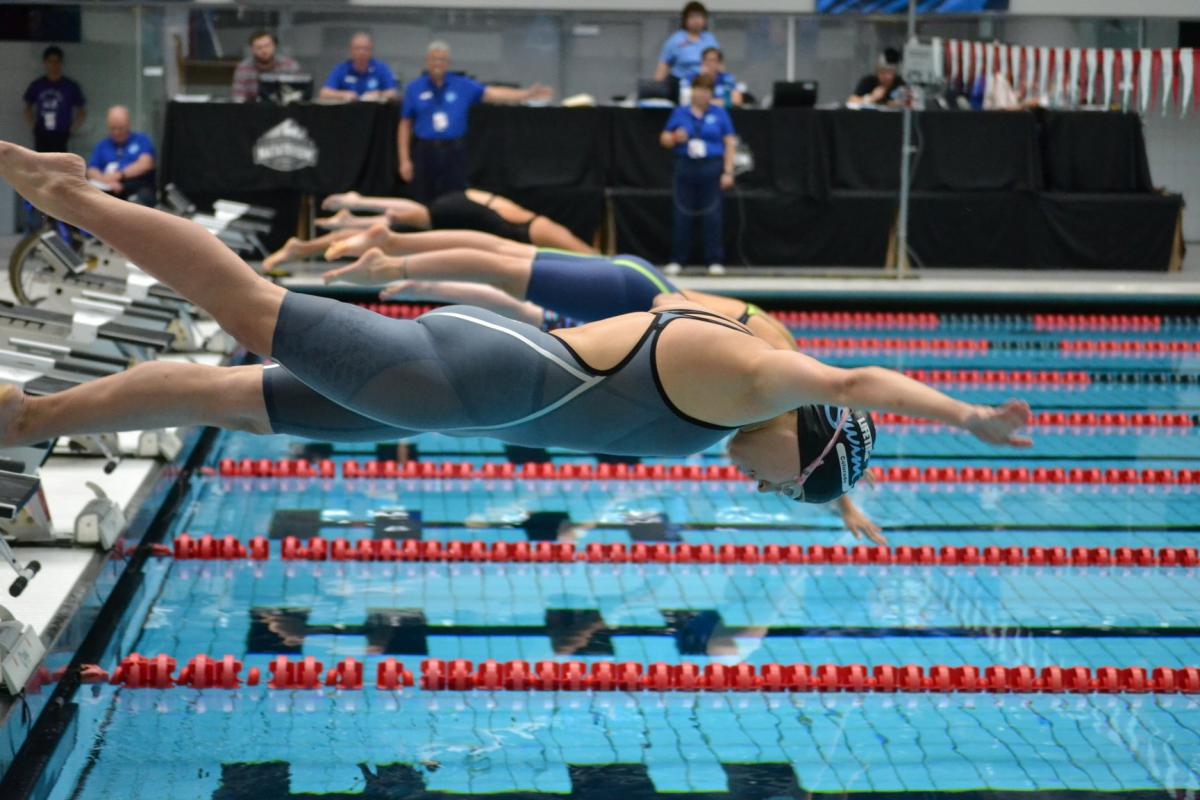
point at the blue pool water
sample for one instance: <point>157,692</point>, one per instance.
<point>260,743</point>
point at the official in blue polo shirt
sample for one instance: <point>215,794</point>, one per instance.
<point>701,136</point>
<point>727,91</point>
<point>360,77</point>
<point>54,105</point>
<point>433,124</point>
<point>124,162</point>
<point>683,50</point>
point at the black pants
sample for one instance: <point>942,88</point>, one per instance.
<point>439,166</point>
<point>139,190</point>
<point>50,141</point>
<point>698,199</point>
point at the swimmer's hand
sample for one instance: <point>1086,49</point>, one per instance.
<point>371,269</point>
<point>1000,425</point>
<point>859,523</point>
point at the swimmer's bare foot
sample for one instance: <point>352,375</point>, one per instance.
<point>12,409</point>
<point>372,268</point>
<point>290,251</point>
<point>50,181</point>
<point>341,200</point>
<point>344,219</point>
<point>359,243</point>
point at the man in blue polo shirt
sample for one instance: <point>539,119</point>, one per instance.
<point>360,77</point>
<point>433,122</point>
<point>124,162</point>
<point>54,105</point>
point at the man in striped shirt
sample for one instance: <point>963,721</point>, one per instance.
<point>263,58</point>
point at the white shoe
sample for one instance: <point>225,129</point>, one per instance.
<point>672,269</point>
<point>716,269</point>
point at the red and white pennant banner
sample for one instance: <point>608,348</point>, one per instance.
<point>1125,77</point>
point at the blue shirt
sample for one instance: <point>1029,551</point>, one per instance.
<point>712,129</point>
<point>683,55</point>
<point>440,113</point>
<point>54,103</point>
<point>723,86</point>
<point>108,156</point>
<point>344,77</point>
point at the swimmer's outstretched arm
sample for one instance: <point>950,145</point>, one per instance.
<point>783,381</point>
<point>174,250</point>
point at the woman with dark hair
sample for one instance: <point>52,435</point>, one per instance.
<point>683,50</point>
<point>701,135</point>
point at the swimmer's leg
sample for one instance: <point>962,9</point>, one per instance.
<point>176,251</point>
<point>469,294</point>
<point>344,219</point>
<point>295,249</point>
<point>155,394</point>
<point>544,232</point>
<point>402,244</point>
<point>399,210</point>
<point>507,273</point>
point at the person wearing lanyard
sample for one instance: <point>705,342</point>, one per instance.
<point>682,51</point>
<point>433,124</point>
<point>360,77</point>
<point>123,164</point>
<point>701,135</point>
<point>54,105</point>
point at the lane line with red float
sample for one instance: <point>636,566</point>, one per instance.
<point>201,672</point>
<point>894,320</point>
<point>229,548</point>
<point>548,471</point>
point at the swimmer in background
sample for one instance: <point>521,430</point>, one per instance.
<point>471,210</point>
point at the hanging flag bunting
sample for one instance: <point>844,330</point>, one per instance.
<point>1166,58</point>
<point>976,65</point>
<point>1029,73</point>
<point>1146,60</point>
<point>1186,68</point>
<point>952,54</point>
<point>1060,75</point>
<point>1044,73</point>
<point>1073,76</point>
<point>1107,71</point>
<point>1126,73</point>
<point>1002,62</point>
<point>1089,85</point>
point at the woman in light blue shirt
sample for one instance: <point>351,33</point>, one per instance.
<point>683,51</point>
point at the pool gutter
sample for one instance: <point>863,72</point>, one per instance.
<point>82,630</point>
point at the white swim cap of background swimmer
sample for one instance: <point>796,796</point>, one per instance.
<point>847,460</point>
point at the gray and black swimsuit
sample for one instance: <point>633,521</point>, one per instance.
<point>349,374</point>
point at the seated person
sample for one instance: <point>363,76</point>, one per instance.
<point>727,91</point>
<point>123,163</point>
<point>263,59</point>
<point>879,88</point>
<point>360,77</point>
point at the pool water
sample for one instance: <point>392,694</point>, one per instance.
<point>256,742</point>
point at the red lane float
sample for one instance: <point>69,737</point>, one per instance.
<point>1092,347</point>
<point>1073,419</point>
<point>201,672</point>
<point>414,550</point>
<point>971,347</point>
<point>547,471</point>
<point>995,377</point>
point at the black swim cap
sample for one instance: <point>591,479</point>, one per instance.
<point>846,463</point>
